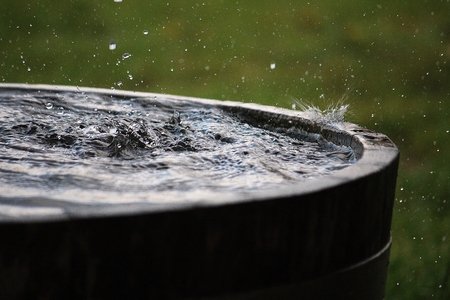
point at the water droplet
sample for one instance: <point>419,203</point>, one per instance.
<point>126,55</point>
<point>119,83</point>
<point>130,76</point>
<point>48,105</point>
<point>112,44</point>
<point>28,69</point>
<point>145,31</point>
<point>117,0</point>
<point>273,65</point>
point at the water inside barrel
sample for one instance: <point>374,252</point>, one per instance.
<point>96,148</point>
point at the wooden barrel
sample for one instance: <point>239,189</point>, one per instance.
<point>326,238</point>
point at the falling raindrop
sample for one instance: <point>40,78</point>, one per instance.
<point>126,55</point>
<point>112,44</point>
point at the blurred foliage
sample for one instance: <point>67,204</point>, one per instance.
<point>391,58</point>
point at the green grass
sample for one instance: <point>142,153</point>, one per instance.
<point>392,56</point>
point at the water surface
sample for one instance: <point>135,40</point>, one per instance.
<point>94,148</point>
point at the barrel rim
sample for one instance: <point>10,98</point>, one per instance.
<point>375,152</point>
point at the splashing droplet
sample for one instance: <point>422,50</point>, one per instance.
<point>126,55</point>
<point>112,44</point>
<point>334,114</point>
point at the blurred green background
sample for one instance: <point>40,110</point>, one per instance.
<point>389,58</point>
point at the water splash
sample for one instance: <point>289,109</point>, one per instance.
<point>333,114</point>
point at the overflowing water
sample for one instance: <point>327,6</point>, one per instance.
<point>95,148</point>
